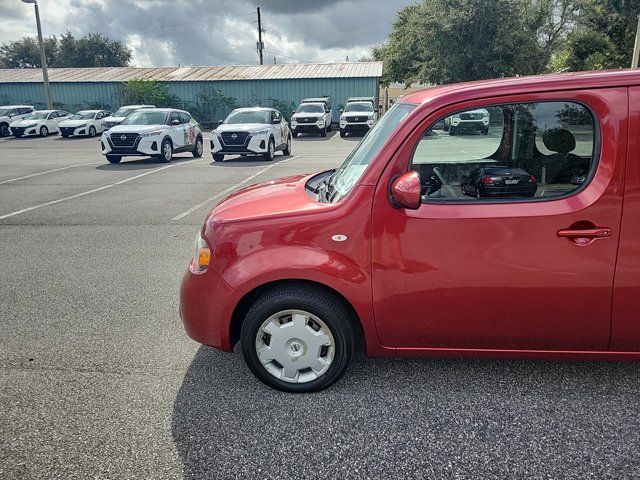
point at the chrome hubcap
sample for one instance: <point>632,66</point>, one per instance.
<point>271,150</point>
<point>295,346</point>
<point>199,147</point>
<point>167,151</point>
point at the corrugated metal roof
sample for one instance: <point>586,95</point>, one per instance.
<point>191,74</point>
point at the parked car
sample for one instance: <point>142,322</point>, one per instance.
<point>313,115</point>
<point>12,113</point>
<point>499,182</point>
<point>293,268</point>
<point>468,121</point>
<point>38,122</point>
<point>358,115</point>
<point>251,131</point>
<point>155,132</point>
<point>85,122</point>
<point>120,114</point>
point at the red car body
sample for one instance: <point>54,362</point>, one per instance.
<point>416,281</point>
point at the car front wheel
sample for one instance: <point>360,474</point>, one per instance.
<point>44,131</point>
<point>271,151</point>
<point>4,130</point>
<point>92,131</point>
<point>287,149</point>
<point>114,158</point>
<point>218,157</point>
<point>197,151</point>
<point>166,151</point>
<point>297,338</point>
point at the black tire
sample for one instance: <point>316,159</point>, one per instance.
<point>485,130</point>
<point>271,150</point>
<point>199,148</point>
<point>452,131</point>
<point>65,135</point>
<point>445,127</point>
<point>330,128</point>
<point>218,157</point>
<point>4,130</point>
<point>294,133</point>
<point>92,131</point>
<point>342,133</point>
<point>166,151</point>
<point>315,300</point>
<point>44,131</point>
<point>114,158</point>
<point>17,135</point>
<point>323,132</point>
<point>287,148</point>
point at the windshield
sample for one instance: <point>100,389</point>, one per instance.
<point>249,116</point>
<point>358,161</point>
<point>83,116</point>
<point>5,111</point>
<point>359,107</point>
<point>123,112</point>
<point>37,116</point>
<point>310,108</point>
<point>142,117</point>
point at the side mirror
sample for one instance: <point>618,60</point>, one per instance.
<point>175,122</point>
<point>342,110</point>
<point>293,112</point>
<point>276,120</point>
<point>405,191</point>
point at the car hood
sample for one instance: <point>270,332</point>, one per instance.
<point>285,196</point>
<point>134,128</point>
<point>74,123</point>
<point>242,127</point>
<point>24,123</point>
<point>113,119</point>
<point>307,115</point>
<point>356,114</point>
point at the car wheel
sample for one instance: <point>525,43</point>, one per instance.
<point>464,190</point>
<point>92,131</point>
<point>452,131</point>
<point>445,127</point>
<point>166,151</point>
<point>297,338</point>
<point>294,133</point>
<point>4,130</point>
<point>330,128</point>
<point>342,133</point>
<point>218,157</point>
<point>197,151</point>
<point>478,193</point>
<point>287,149</point>
<point>44,131</point>
<point>323,132</point>
<point>114,158</point>
<point>65,135</point>
<point>271,151</point>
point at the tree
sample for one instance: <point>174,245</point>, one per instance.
<point>92,50</point>
<point>149,92</point>
<point>443,41</point>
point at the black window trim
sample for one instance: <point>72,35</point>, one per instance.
<point>595,162</point>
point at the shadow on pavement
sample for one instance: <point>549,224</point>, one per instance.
<point>394,417</point>
<point>143,163</point>
<point>249,160</point>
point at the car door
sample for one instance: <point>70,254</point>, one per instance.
<point>513,271</point>
<point>97,121</point>
<point>176,130</point>
<point>51,121</point>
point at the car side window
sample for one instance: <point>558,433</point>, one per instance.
<point>184,117</point>
<point>504,152</point>
<point>99,115</point>
<point>174,116</point>
<point>14,112</point>
<point>25,110</point>
<point>275,117</point>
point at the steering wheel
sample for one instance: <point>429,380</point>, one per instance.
<point>438,173</point>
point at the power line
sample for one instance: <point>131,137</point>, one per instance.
<point>287,56</point>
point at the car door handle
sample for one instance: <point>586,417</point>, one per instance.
<point>585,236</point>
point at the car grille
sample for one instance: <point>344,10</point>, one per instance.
<point>234,138</point>
<point>360,118</point>
<point>17,130</point>
<point>124,139</point>
<point>307,120</point>
<point>471,116</point>
<point>67,130</point>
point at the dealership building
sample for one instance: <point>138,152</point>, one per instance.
<point>280,86</point>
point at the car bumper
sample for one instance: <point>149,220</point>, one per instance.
<point>143,146</point>
<point>307,127</point>
<point>254,145</point>
<point>353,127</point>
<point>503,191</point>
<point>74,131</point>
<point>206,308</point>
<point>23,132</point>
<point>470,123</point>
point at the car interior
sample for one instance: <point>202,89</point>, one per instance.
<point>551,144</point>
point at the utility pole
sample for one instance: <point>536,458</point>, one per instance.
<point>43,58</point>
<point>260,44</point>
<point>636,48</point>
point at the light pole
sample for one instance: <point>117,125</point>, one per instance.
<point>43,59</point>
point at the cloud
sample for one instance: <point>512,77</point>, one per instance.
<point>215,32</point>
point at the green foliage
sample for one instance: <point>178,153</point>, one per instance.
<point>92,50</point>
<point>444,41</point>
<point>135,92</point>
<point>285,108</point>
<point>212,105</point>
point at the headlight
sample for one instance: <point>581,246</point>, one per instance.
<point>202,254</point>
<point>261,132</point>
<point>32,125</point>
<point>81,126</point>
<point>151,134</point>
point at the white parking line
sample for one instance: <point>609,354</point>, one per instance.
<point>89,192</point>
<point>230,189</point>
<point>47,171</point>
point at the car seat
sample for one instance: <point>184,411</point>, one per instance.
<point>559,165</point>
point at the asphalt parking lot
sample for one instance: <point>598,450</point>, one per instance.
<point>99,380</point>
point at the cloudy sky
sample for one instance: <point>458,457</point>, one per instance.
<point>215,32</point>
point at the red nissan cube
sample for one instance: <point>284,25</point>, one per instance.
<point>521,240</point>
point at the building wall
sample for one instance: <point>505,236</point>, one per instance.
<point>74,96</point>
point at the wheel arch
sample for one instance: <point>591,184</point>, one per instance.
<point>243,306</point>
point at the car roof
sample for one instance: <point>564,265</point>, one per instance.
<point>253,109</point>
<point>529,84</point>
<point>138,106</point>
<point>48,111</point>
<point>92,111</point>
<point>360,99</point>
<point>164,110</point>
<point>16,106</point>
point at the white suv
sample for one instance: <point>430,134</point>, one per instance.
<point>313,115</point>
<point>11,113</point>
<point>477,119</point>
<point>120,114</point>
<point>251,131</point>
<point>155,132</point>
<point>358,115</point>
